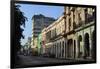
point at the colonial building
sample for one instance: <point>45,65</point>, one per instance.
<point>80,30</point>
<point>34,48</point>
<point>43,41</point>
<point>72,36</point>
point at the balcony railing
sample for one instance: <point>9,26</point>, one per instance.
<point>90,19</point>
<point>81,23</point>
<point>78,25</point>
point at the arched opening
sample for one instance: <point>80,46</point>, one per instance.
<point>53,54</point>
<point>57,50</point>
<point>60,49</point>
<point>63,49</point>
<point>86,45</point>
<point>74,48</point>
<point>70,48</point>
<point>93,45</point>
<point>79,46</point>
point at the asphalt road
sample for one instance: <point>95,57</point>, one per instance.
<point>31,61</point>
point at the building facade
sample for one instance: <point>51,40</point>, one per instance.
<point>43,41</point>
<point>72,36</point>
<point>27,47</point>
<point>39,22</point>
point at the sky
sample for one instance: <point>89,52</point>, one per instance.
<point>31,9</point>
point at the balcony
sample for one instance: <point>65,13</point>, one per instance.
<point>83,23</point>
<point>90,19</point>
<point>78,25</point>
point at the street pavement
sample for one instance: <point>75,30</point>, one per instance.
<point>31,61</point>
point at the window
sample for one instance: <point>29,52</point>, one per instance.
<point>69,23</point>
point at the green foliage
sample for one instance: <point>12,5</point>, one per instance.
<point>19,20</point>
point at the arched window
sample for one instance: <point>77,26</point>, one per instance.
<point>69,23</point>
<point>86,15</point>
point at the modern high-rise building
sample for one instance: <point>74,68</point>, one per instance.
<point>39,22</point>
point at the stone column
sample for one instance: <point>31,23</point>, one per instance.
<point>57,50</point>
<point>77,45</point>
<point>90,42</point>
<point>83,43</point>
<point>65,48</point>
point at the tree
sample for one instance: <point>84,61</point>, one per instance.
<point>19,20</point>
